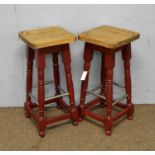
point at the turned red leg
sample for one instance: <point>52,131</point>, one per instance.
<point>126,55</point>
<point>56,76</point>
<point>103,81</point>
<point>67,61</point>
<point>109,65</point>
<point>88,56</point>
<point>30,57</point>
<point>41,93</point>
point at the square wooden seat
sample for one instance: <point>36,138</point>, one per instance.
<point>109,36</point>
<point>46,37</point>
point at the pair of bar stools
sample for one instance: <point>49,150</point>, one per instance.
<point>106,39</point>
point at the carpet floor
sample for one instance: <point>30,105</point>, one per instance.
<point>19,133</point>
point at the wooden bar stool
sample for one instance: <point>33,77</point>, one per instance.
<point>108,40</point>
<point>41,42</point>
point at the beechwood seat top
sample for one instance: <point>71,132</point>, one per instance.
<point>46,37</point>
<point>109,36</point>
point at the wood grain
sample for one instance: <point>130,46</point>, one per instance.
<point>45,37</point>
<point>109,37</point>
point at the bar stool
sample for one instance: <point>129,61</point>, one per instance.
<point>107,40</point>
<point>42,41</point>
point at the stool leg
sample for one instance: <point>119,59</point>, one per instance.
<point>67,61</point>
<point>56,75</point>
<point>41,93</point>
<point>88,56</point>
<point>109,65</point>
<point>126,55</point>
<point>103,81</point>
<point>30,57</point>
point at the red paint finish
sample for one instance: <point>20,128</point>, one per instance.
<point>126,55</point>
<point>71,110</point>
<point>67,61</point>
<point>41,92</point>
<point>103,80</point>
<point>108,64</point>
<point>30,57</point>
<point>88,56</point>
<point>56,76</point>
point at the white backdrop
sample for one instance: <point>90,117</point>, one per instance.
<point>76,18</point>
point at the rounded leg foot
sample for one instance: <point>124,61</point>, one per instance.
<point>81,115</point>
<point>75,123</point>
<point>27,115</point>
<point>26,108</point>
<point>108,132</point>
<point>130,113</point>
<point>41,133</point>
<point>130,117</point>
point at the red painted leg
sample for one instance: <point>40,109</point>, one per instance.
<point>88,56</point>
<point>109,65</point>
<point>56,76</point>
<point>103,81</point>
<point>41,95</point>
<point>126,55</point>
<point>67,61</point>
<point>30,57</point>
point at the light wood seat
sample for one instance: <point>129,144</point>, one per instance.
<point>46,37</point>
<point>108,36</point>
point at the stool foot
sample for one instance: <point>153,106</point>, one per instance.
<point>108,126</point>
<point>41,129</point>
<point>130,117</point>
<point>41,133</point>
<point>81,115</point>
<point>108,132</point>
<point>75,123</point>
<point>74,116</point>
<point>130,113</point>
<point>27,115</point>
